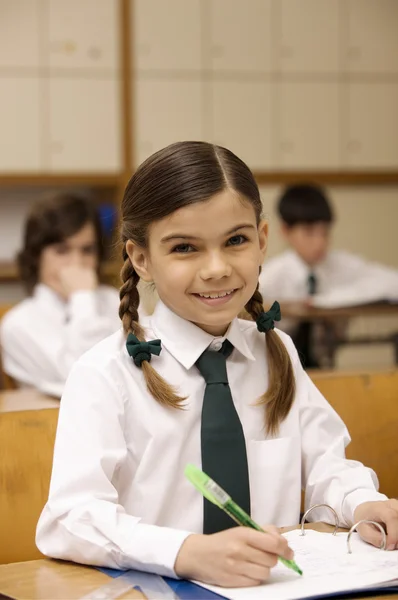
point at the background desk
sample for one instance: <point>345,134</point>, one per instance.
<point>331,317</point>
<point>53,580</point>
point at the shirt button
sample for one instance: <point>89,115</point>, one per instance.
<point>216,346</point>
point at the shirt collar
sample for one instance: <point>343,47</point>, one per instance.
<point>304,268</point>
<point>186,341</point>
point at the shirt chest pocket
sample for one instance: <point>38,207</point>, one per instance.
<point>275,475</point>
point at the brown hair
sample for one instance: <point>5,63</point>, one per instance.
<point>51,220</point>
<point>179,175</point>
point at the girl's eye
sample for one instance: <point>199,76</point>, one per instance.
<point>237,240</point>
<point>183,248</point>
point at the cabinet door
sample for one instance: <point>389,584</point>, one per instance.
<point>19,37</point>
<point>308,124</point>
<point>241,120</point>
<point>166,112</point>
<point>19,124</point>
<point>367,214</point>
<point>84,125</point>
<point>310,35</point>
<point>372,36</point>
<point>167,34</point>
<point>240,35</point>
<point>372,137</point>
<point>83,34</point>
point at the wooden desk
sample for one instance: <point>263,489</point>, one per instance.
<point>297,310</point>
<point>329,317</point>
<point>25,399</point>
<point>28,421</point>
<point>52,580</point>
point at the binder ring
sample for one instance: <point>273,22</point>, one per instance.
<point>353,528</point>
<point>318,506</point>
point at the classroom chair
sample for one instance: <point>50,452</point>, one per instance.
<point>368,404</point>
<point>27,435</point>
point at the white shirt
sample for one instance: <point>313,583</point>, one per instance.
<point>44,335</point>
<point>343,279</point>
<point>118,495</point>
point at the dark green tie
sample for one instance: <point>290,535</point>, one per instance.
<point>304,334</point>
<point>312,284</point>
<point>224,456</point>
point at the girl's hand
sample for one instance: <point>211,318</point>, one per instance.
<point>237,557</point>
<point>75,278</point>
<point>384,512</point>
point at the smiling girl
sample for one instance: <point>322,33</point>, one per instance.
<point>194,384</point>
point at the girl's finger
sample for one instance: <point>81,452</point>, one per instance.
<point>255,572</point>
<point>370,533</point>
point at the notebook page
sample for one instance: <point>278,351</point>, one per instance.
<point>327,567</point>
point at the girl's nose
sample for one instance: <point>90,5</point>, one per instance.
<point>215,266</point>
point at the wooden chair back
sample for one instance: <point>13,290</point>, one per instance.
<point>27,432</point>
<point>368,404</point>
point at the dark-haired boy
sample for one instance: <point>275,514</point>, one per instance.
<point>310,272</point>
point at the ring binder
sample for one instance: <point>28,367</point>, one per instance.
<point>353,528</point>
<point>337,524</point>
<point>307,512</point>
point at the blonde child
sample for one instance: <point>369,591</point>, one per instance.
<point>193,384</point>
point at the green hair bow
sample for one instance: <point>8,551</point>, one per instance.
<point>141,351</point>
<point>266,320</point>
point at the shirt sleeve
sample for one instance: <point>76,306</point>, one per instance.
<point>328,476</point>
<point>83,520</point>
<point>360,282</point>
<point>37,356</point>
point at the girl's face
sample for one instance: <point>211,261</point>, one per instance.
<point>78,250</point>
<point>204,259</point>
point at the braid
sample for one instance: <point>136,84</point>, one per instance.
<point>129,299</point>
<point>279,396</point>
<point>128,312</point>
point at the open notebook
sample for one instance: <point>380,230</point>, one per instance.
<point>328,569</point>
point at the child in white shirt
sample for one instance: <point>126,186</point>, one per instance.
<point>67,310</point>
<point>135,412</point>
<point>309,272</point>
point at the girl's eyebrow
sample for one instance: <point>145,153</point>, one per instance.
<point>181,236</point>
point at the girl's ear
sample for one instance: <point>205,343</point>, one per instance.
<point>263,239</point>
<point>139,259</point>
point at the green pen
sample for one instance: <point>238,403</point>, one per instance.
<point>215,494</point>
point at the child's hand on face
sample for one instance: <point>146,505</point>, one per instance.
<point>237,557</point>
<point>75,278</point>
<point>384,512</point>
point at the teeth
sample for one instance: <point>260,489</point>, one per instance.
<point>221,295</point>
